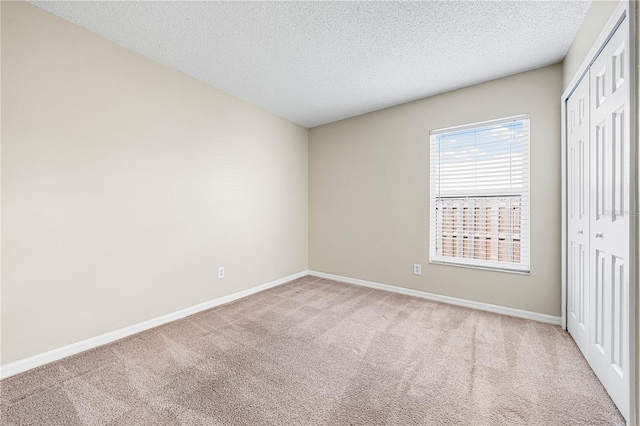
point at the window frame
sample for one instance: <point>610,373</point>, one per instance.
<point>525,213</point>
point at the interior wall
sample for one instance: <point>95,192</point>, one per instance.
<point>369,193</point>
<point>637,205</point>
<point>125,185</point>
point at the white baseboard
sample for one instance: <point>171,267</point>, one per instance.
<point>23,365</point>
<point>445,299</point>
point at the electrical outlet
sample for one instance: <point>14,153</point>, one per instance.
<point>220,272</point>
<point>417,269</point>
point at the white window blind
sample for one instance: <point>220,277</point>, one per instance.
<point>480,194</point>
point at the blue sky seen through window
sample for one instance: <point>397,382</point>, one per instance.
<point>482,161</point>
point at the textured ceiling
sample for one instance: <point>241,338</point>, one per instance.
<point>317,62</point>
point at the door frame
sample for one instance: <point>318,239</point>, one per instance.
<point>625,9</point>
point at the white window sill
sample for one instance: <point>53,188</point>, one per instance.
<point>484,268</point>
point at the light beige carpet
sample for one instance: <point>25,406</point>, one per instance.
<point>321,352</point>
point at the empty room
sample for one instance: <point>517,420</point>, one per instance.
<point>319,213</point>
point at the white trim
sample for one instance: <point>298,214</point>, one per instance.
<point>482,268</point>
<point>563,211</point>
<point>634,99</point>
<point>625,9</point>
<point>503,310</point>
<point>23,365</point>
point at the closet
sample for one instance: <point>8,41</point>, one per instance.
<point>600,215</point>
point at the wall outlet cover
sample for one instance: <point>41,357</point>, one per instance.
<point>417,269</point>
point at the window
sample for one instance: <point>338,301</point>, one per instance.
<point>480,195</point>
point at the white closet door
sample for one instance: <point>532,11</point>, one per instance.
<point>578,214</point>
<point>609,218</point>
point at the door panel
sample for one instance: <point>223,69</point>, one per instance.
<point>609,222</point>
<point>578,218</point>
<point>578,214</point>
<point>599,279</point>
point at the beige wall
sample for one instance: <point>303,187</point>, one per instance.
<point>126,183</point>
<point>637,201</point>
<point>369,193</point>
<point>597,17</point>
